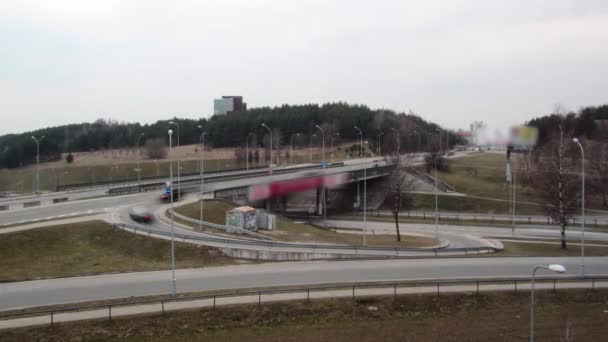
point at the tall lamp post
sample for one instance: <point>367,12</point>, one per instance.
<point>291,148</point>
<point>378,148</point>
<point>310,146</point>
<point>576,141</point>
<point>437,189</point>
<point>247,150</point>
<point>179,182</point>
<point>323,163</point>
<point>37,163</point>
<point>138,163</point>
<point>360,141</point>
<point>173,285</point>
<point>553,267</point>
<point>202,171</point>
<point>269,131</point>
<point>331,157</point>
<point>398,138</point>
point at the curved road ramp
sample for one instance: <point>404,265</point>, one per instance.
<point>286,251</point>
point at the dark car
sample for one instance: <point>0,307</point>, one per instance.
<point>166,196</point>
<point>140,214</point>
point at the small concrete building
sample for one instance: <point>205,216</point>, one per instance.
<point>242,217</point>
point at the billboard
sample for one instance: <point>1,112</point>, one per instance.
<point>523,138</point>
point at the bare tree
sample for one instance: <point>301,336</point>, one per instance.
<point>555,180</point>
<point>400,186</point>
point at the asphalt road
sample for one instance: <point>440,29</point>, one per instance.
<point>469,236</point>
<point>466,236</point>
<point>70,290</point>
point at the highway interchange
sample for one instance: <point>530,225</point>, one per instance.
<point>113,209</point>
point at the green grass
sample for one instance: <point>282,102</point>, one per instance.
<point>471,205</point>
<point>288,230</point>
<point>545,249</point>
<point>488,182</point>
<point>90,248</point>
<point>500,316</point>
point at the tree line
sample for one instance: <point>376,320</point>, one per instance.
<point>231,130</point>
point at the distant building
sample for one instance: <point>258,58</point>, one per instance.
<point>229,104</point>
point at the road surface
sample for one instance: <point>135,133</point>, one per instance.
<point>70,290</point>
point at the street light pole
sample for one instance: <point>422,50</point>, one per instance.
<point>247,151</point>
<point>555,268</point>
<point>398,141</point>
<point>138,163</point>
<point>269,164</point>
<point>179,183</point>
<point>331,157</point>
<point>291,148</point>
<point>202,172</point>
<point>365,206</point>
<point>360,141</point>
<point>37,163</point>
<point>437,190</point>
<point>576,141</point>
<point>378,148</point>
<point>173,285</point>
<point>323,163</point>
<point>310,147</point>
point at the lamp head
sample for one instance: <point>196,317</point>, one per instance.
<point>575,140</point>
<point>557,268</point>
<point>170,132</point>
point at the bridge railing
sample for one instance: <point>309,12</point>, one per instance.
<point>308,293</point>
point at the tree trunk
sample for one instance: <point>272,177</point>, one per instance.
<point>396,213</point>
<point>397,225</point>
<point>563,233</point>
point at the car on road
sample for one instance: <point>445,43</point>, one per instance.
<point>166,196</point>
<point>140,214</point>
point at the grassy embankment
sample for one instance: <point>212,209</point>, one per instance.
<point>91,248</point>
<point>288,230</point>
<point>480,175</point>
<point>565,315</point>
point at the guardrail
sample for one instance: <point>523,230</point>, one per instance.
<point>224,242</point>
<point>368,289</point>
<point>220,226</point>
<point>447,216</point>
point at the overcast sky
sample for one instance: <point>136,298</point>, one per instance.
<point>450,61</point>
